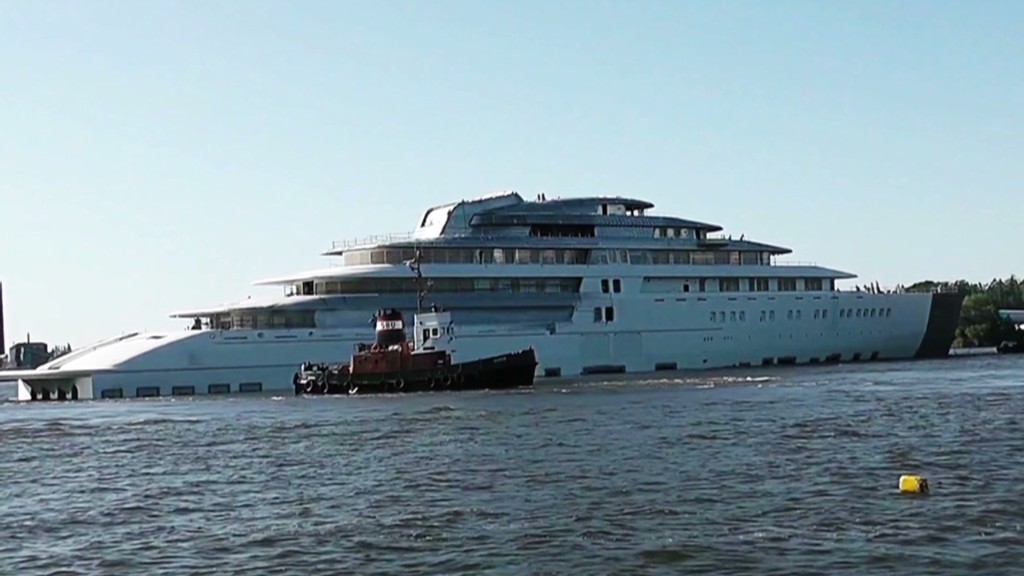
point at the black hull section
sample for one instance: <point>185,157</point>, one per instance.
<point>943,319</point>
<point>506,371</point>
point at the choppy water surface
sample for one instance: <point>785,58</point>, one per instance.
<point>774,472</point>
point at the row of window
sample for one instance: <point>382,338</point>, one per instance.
<point>606,314</point>
<point>555,256</point>
<point>819,314</point>
<point>562,230</point>
<point>264,319</point>
<point>188,390</point>
<point>277,319</point>
<point>400,285</point>
<point>557,285</point>
<point>865,312</point>
<point>748,284</point>
<point>681,257</point>
<point>466,256</point>
<point>762,284</point>
<point>666,232</point>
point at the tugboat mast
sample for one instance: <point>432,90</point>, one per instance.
<point>421,286</point>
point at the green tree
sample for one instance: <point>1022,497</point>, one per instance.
<point>980,322</point>
<point>59,351</point>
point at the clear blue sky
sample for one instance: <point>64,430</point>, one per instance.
<point>157,156</point>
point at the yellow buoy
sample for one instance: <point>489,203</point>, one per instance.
<point>911,484</point>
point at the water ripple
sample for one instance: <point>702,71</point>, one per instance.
<point>768,472</point>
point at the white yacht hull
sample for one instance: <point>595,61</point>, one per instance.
<point>649,332</point>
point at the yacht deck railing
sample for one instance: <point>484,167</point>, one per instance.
<point>793,263</point>
<point>369,240</point>
<point>874,288</point>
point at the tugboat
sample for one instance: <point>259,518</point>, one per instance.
<point>391,365</point>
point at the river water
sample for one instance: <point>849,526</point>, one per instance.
<point>768,471</point>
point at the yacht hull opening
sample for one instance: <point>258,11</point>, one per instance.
<point>55,389</point>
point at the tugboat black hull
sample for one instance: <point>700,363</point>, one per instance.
<point>506,371</point>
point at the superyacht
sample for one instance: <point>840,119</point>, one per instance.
<point>594,284</point>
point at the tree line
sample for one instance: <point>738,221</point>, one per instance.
<point>980,322</point>
<point>58,351</point>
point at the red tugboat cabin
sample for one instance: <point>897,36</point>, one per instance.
<point>392,352</point>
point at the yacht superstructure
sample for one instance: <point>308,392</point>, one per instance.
<point>594,285</point>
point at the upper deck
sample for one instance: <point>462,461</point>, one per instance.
<point>508,221</point>
<point>593,211</point>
